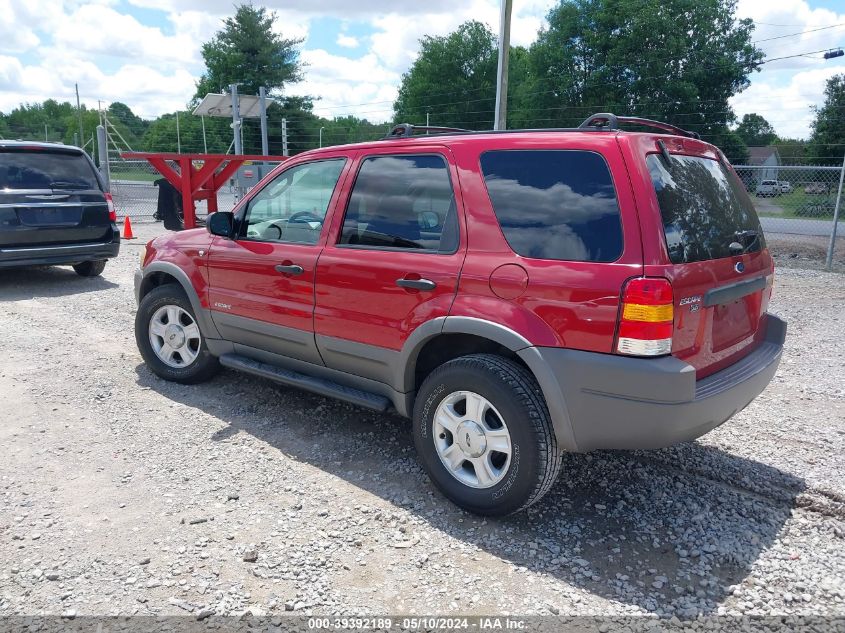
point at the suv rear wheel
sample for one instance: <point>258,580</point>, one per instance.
<point>484,435</point>
<point>90,269</point>
<point>169,337</point>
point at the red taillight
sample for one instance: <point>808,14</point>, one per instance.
<point>112,212</point>
<point>646,318</point>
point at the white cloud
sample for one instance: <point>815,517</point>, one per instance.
<point>787,107</point>
<point>347,41</point>
<point>364,86</point>
<point>19,21</point>
<point>148,91</point>
<point>396,41</point>
<point>775,19</point>
<point>99,31</point>
<point>784,90</point>
<point>357,9</point>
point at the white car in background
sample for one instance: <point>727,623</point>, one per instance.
<point>785,186</point>
<point>768,188</point>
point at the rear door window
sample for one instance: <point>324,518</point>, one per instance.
<point>555,204</point>
<point>45,169</point>
<point>402,202</point>
<point>704,209</point>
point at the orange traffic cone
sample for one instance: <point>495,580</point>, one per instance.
<point>127,229</point>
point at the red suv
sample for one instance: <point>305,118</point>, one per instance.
<point>517,294</point>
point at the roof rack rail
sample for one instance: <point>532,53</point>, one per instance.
<point>406,130</point>
<point>610,121</point>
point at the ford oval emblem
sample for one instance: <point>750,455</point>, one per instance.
<point>739,267</point>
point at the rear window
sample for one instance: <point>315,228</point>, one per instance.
<point>704,209</point>
<point>555,204</point>
<point>43,169</point>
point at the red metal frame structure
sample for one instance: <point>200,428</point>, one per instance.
<point>198,184</point>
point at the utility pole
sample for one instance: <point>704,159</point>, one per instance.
<point>262,105</point>
<point>102,147</point>
<point>236,118</point>
<point>46,139</point>
<point>321,136</point>
<point>501,115</point>
<point>178,136</point>
<point>79,112</point>
<point>284,137</point>
<point>829,263</point>
<point>204,142</point>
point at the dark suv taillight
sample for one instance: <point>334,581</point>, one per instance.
<point>646,319</point>
<point>112,211</point>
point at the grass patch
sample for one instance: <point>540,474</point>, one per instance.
<point>134,174</point>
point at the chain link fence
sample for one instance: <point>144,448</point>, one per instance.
<point>797,205</point>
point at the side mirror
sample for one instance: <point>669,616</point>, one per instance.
<point>220,223</point>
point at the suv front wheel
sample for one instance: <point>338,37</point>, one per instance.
<point>484,435</point>
<point>169,337</point>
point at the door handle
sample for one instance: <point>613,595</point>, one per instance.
<point>416,284</point>
<point>290,269</point>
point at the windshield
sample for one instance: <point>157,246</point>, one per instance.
<point>45,169</point>
<point>706,212</point>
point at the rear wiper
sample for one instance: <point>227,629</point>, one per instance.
<point>747,239</point>
<point>66,184</point>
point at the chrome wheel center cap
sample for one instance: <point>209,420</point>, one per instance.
<point>471,439</point>
<point>174,336</point>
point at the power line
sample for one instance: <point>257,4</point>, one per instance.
<point>780,37</point>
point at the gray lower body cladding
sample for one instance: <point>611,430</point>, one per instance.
<point>615,402</point>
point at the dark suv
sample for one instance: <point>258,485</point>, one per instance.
<point>517,294</point>
<point>54,209</point>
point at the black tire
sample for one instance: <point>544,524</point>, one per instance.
<point>515,394</point>
<point>90,269</point>
<point>202,368</point>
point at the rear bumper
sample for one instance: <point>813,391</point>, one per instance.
<point>59,253</point>
<point>614,402</point>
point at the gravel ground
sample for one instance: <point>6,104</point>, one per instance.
<point>122,494</point>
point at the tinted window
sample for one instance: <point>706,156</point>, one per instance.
<point>555,204</point>
<point>292,207</point>
<point>704,208</point>
<point>45,169</point>
<point>402,202</point>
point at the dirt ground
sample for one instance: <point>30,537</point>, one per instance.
<point>123,494</point>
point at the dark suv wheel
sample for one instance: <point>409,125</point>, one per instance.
<point>90,269</point>
<point>484,435</point>
<point>169,337</point>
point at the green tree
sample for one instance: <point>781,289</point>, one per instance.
<point>121,112</point>
<point>732,146</point>
<point>827,141</point>
<point>40,121</point>
<point>674,60</point>
<point>755,131</point>
<point>247,51</point>
<point>453,80</point>
<point>793,151</point>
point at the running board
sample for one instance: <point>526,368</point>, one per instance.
<point>303,381</point>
